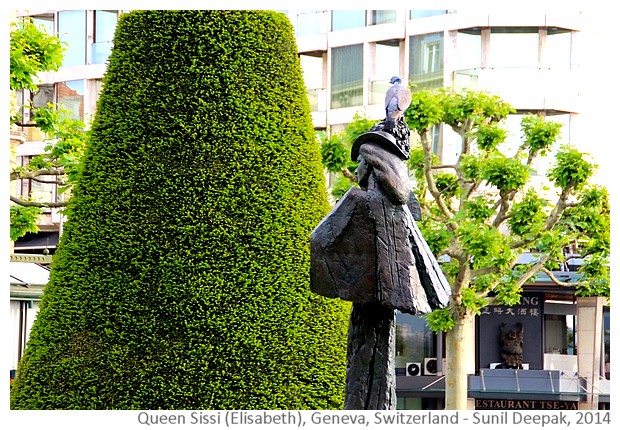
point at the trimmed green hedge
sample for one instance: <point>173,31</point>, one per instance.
<point>182,277</point>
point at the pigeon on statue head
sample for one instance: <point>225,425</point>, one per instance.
<point>397,100</point>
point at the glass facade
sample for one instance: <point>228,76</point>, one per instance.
<point>71,98</point>
<point>426,61</point>
<point>346,19</point>
<point>414,14</point>
<point>347,84</point>
<point>387,64</point>
<point>382,17</point>
<point>558,49</point>
<point>72,31</point>
<point>104,26</point>
<point>513,48</point>
<point>414,340</point>
<point>46,22</point>
<point>312,68</point>
<point>310,23</point>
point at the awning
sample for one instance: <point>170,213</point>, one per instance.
<point>27,280</point>
<point>41,240</point>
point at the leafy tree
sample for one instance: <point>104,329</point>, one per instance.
<point>34,51</point>
<point>483,213</point>
<point>181,278</point>
<point>336,154</point>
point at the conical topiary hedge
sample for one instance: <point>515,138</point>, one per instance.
<point>181,279</point>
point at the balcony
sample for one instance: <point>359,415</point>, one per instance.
<point>510,384</point>
<point>99,52</point>
<point>524,88</point>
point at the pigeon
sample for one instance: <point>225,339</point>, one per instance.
<point>397,100</point>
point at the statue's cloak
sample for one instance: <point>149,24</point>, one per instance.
<point>368,249</point>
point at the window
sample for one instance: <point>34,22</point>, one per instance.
<point>414,14</point>
<point>71,98</point>
<point>311,22</point>
<point>386,65</point>
<point>382,17</point>
<point>346,19</point>
<point>104,26</point>
<point>45,22</point>
<point>513,47</point>
<point>347,84</point>
<point>468,49</point>
<point>426,60</point>
<point>414,340</point>
<point>560,334</point>
<point>72,31</point>
<point>312,68</point>
<point>558,49</point>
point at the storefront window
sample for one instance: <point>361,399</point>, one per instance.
<point>347,84</point>
<point>72,31</point>
<point>414,341</point>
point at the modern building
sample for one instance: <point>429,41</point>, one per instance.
<point>532,59</point>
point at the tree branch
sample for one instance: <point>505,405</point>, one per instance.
<point>347,174</point>
<point>29,203</point>
<point>430,180</point>
<point>33,174</point>
<point>555,280</point>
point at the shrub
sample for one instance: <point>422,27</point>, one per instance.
<point>181,278</point>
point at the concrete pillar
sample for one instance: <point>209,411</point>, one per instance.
<point>589,341</point>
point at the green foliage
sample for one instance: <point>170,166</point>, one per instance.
<point>472,166</point>
<point>489,136</point>
<point>539,134</point>
<point>181,278</point>
<point>506,174</point>
<point>424,111</point>
<point>589,220</point>
<point>527,217</point>
<point>473,107</point>
<point>447,184</point>
<point>23,220</point>
<point>571,169</point>
<point>334,153</point>
<point>358,126</point>
<point>340,185</point>
<point>32,51</point>
<point>435,234</point>
<point>486,245</point>
<point>596,274</point>
<point>440,320</point>
<point>478,209</point>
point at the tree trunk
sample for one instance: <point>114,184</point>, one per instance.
<point>460,347</point>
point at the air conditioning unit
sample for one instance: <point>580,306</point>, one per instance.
<point>413,369</point>
<point>430,366</point>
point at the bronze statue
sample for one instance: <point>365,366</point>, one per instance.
<point>369,250</point>
<point>512,347</point>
